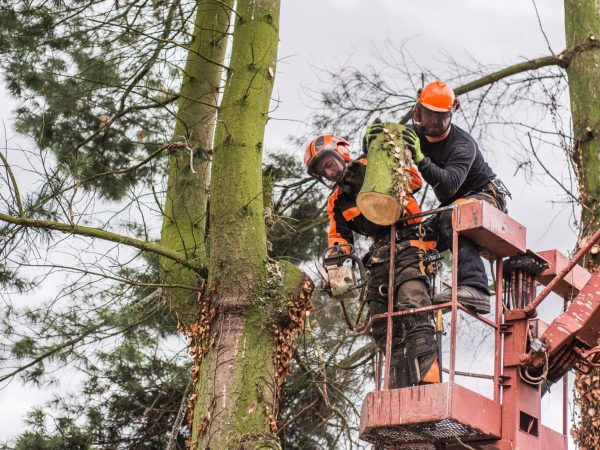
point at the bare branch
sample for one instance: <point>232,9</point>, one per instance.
<point>562,60</point>
<point>556,180</point>
<point>107,236</point>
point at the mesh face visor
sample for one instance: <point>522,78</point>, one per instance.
<point>327,164</point>
<point>434,123</point>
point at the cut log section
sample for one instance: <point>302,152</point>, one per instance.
<point>385,188</point>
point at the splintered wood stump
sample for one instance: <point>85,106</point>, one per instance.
<point>385,189</point>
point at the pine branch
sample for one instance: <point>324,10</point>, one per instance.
<point>114,278</point>
<point>76,340</point>
<point>358,356</point>
<point>49,353</point>
<point>169,147</point>
<point>134,108</point>
<point>107,236</point>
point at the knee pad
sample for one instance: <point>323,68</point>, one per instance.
<point>412,357</point>
<point>421,352</point>
<point>413,293</point>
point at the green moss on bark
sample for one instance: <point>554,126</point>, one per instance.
<point>381,198</point>
<point>236,189</point>
<point>582,23</point>
<point>238,390</point>
<point>257,369</point>
<point>184,222</point>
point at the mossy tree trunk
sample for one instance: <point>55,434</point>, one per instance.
<point>582,23</point>
<point>244,335</point>
<point>185,209</point>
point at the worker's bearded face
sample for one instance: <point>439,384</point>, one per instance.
<point>431,123</point>
<point>330,168</point>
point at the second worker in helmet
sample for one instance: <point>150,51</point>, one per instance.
<point>414,349</point>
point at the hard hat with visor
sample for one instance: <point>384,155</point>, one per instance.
<point>326,157</point>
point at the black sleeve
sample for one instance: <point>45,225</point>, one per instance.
<point>446,181</point>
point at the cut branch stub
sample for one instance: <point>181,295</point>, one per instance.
<point>385,188</point>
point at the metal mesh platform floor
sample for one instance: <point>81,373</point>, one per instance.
<point>423,436</point>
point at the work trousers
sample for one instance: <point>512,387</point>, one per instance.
<point>413,338</point>
<point>471,271</point>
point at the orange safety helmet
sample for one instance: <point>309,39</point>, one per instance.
<point>438,96</point>
<point>320,147</point>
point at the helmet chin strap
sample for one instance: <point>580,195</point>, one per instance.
<point>331,185</point>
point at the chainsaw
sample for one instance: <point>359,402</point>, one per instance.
<point>345,272</point>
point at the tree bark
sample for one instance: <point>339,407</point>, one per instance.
<point>184,221</point>
<point>244,335</point>
<point>582,23</point>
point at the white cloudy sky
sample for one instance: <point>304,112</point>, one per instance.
<point>316,34</point>
<point>326,33</point>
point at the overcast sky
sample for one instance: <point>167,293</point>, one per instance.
<point>326,33</point>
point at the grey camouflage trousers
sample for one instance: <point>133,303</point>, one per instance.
<point>414,349</point>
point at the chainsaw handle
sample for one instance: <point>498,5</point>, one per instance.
<point>339,257</point>
<point>361,270</point>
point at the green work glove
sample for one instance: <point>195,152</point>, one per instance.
<point>372,131</point>
<point>413,144</point>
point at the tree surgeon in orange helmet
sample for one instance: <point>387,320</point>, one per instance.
<point>414,349</point>
<point>450,160</point>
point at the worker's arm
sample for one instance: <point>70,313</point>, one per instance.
<point>446,181</point>
<point>339,231</point>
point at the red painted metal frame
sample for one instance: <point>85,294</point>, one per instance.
<point>529,310</point>
<point>433,403</point>
<point>498,335</point>
<point>565,394</point>
<point>454,307</point>
<point>576,328</point>
<point>575,280</point>
<point>454,296</point>
<point>407,312</point>
<point>518,402</point>
<point>472,215</point>
<point>490,228</point>
<point>521,402</point>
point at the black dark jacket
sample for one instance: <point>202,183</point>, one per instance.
<point>455,166</point>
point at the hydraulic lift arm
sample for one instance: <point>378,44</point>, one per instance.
<point>571,340</point>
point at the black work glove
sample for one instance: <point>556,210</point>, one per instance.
<point>372,131</point>
<point>413,143</point>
